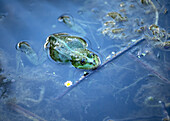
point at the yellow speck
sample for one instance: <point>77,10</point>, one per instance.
<point>68,83</point>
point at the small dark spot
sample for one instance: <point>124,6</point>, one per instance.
<point>82,62</point>
<point>86,74</point>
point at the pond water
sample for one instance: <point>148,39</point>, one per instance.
<point>131,87</point>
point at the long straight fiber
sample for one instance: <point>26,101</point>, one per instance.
<point>82,78</point>
<point>26,113</point>
<point>146,66</point>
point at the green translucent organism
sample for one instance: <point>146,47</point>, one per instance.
<point>66,48</point>
<point>69,21</point>
<point>63,48</point>
<point>29,52</point>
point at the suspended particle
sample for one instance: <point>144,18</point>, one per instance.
<point>165,11</point>
<point>132,6</point>
<point>105,31</point>
<point>140,30</point>
<point>122,10</point>
<point>122,4</point>
<point>110,23</point>
<point>154,28</point>
<point>116,16</point>
<point>145,2</point>
<point>119,30</point>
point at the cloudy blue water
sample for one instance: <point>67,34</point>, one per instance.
<point>128,88</point>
